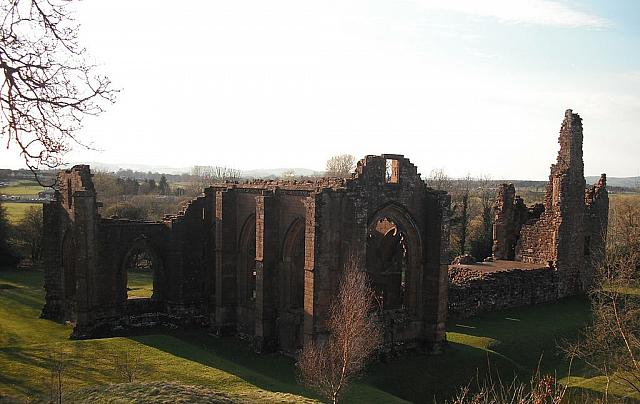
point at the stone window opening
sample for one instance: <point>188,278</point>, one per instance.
<point>296,281</point>
<point>387,265</point>
<point>293,264</point>
<point>69,193</point>
<point>140,272</point>
<point>392,171</point>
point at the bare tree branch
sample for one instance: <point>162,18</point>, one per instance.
<point>340,166</point>
<point>48,87</point>
<point>354,335</point>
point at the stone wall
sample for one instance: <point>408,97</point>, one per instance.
<point>472,292</point>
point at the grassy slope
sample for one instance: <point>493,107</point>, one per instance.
<point>512,341</point>
<point>27,344</point>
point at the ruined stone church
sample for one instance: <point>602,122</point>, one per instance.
<point>260,259</point>
<point>263,259</point>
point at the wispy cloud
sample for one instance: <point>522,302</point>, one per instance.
<point>541,12</point>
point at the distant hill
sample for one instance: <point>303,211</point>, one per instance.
<point>627,182</point>
<point>256,173</point>
<point>278,172</point>
<point>109,167</point>
<point>623,182</point>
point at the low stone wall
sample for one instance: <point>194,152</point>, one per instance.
<point>472,292</point>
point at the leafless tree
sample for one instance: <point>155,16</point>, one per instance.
<point>611,344</point>
<point>540,390</point>
<point>48,87</point>
<point>288,174</point>
<point>354,335</point>
<point>204,176</point>
<point>128,365</point>
<point>340,166</point>
<point>29,231</point>
<point>481,226</point>
<point>460,194</point>
<point>438,179</point>
<point>58,364</point>
<point>624,225</point>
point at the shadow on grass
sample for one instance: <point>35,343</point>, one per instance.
<point>273,372</point>
<point>511,342</point>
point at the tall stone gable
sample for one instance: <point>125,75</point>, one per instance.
<point>568,231</point>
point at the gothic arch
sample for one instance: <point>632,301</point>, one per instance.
<point>394,258</point>
<point>293,262</point>
<point>246,277</point>
<point>247,260</point>
<point>291,288</point>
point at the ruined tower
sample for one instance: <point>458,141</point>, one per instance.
<point>567,228</point>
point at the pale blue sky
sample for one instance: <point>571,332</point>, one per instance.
<point>467,86</point>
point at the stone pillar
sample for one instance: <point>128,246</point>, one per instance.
<point>85,231</point>
<point>435,280</point>
<point>266,275</point>
<point>503,222</point>
<point>310,243</point>
<point>569,204</point>
<point>225,252</point>
<point>52,255</point>
<point>210,255</point>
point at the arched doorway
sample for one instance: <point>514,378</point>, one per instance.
<point>393,259</point>
<point>290,318</point>
<point>246,276</point>
<point>141,271</point>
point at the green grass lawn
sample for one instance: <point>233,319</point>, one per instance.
<point>16,211</point>
<point>28,345</point>
<point>511,342</point>
<point>139,284</point>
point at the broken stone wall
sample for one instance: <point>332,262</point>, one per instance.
<point>69,227</point>
<point>472,292</point>
<point>262,259</point>
<point>510,214</point>
<point>560,233</point>
<point>596,222</point>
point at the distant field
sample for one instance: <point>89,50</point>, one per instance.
<point>16,211</point>
<point>23,188</point>
<point>629,197</point>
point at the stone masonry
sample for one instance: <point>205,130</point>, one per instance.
<point>260,259</point>
<point>567,233</point>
